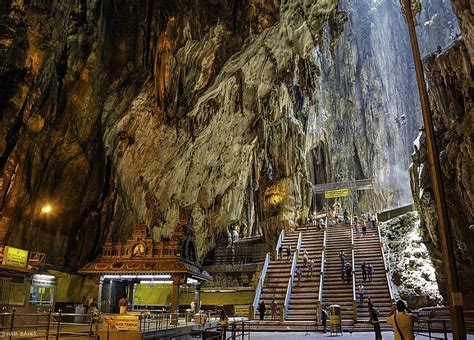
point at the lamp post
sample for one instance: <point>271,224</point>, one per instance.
<point>452,282</point>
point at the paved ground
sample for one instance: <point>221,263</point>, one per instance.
<point>312,335</point>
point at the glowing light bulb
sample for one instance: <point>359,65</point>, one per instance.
<point>46,209</point>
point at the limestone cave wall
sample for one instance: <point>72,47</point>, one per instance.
<point>451,92</point>
<point>118,113</point>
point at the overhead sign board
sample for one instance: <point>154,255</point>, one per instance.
<point>336,193</point>
<point>15,257</point>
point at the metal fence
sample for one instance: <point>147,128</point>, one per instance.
<point>49,325</point>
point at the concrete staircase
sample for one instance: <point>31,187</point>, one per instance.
<point>278,274</point>
<point>367,248</point>
<point>335,291</point>
<point>304,296</point>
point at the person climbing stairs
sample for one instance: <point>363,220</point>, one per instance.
<point>304,296</point>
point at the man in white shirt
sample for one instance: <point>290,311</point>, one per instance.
<point>402,322</point>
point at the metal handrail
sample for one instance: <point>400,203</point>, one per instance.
<point>321,276</point>
<point>300,240</point>
<point>290,282</point>
<point>354,299</point>
<point>280,241</point>
<point>258,290</point>
<point>389,282</point>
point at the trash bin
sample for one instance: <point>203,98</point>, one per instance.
<point>335,319</point>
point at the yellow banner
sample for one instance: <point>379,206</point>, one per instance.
<point>15,257</point>
<point>337,193</point>
<point>241,310</point>
<point>122,322</point>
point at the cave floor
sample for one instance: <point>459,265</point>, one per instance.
<point>355,335</point>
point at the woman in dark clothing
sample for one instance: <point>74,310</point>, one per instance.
<point>262,309</point>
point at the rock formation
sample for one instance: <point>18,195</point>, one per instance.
<point>450,84</point>
<point>119,113</point>
<point>411,269</point>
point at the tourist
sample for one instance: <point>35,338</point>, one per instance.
<point>364,228</point>
<point>93,307</point>
<point>343,271</point>
<point>324,317</point>
<point>280,252</point>
<point>348,272</point>
<point>370,271</point>
<point>288,253</point>
<point>363,267</point>
<point>311,267</point>
<point>321,223</point>
<point>374,319</point>
<point>402,321</point>
<point>342,257</point>
<point>374,222</point>
<point>93,310</point>
<point>361,293</point>
<point>299,274</point>
<point>346,216</point>
<point>274,308</point>
<point>314,221</point>
<point>262,309</point>
<point>123,304</point>
<point>305,258</point>
<point>356,229</point>
<point>224,322</point>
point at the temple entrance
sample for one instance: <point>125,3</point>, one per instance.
<point>116,289</point>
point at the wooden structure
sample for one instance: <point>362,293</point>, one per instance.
<point>140,256</point>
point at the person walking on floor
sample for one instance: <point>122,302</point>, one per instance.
<point>262,309</point>
<point>224,322</point>
<point>324,318</point>
<point>364,228</point>
<point>374,320</point>
<point>311,267</point>
<point>288,253</point>
<point>402,322</point>
<point>273,308</point>
<point>280,252</point>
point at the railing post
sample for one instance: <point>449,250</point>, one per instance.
<point>445,331</point>
<point>4,311</point>
<point>429,328</point>
<point>58,328</point>
<point>12,322</point>
<point>48,325</point>
<point>90,323</point>
<point>354,298</point>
